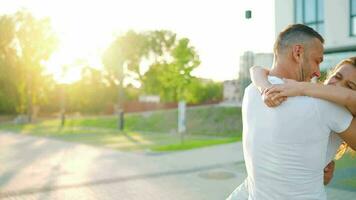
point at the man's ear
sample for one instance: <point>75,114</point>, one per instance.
<point>297,53</point>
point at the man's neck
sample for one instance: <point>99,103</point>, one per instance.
<point>285,70</point>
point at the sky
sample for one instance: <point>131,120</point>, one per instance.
<point>216,28</point>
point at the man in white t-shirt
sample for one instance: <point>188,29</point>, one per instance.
<point>285,147</point>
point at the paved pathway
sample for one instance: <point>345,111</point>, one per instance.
<point>41,168</point>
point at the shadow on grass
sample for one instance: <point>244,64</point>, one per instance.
<point>98,131</point>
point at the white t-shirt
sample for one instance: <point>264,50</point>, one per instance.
<point>333,145</point>
<point>285,148</point>
<point>241,192</point>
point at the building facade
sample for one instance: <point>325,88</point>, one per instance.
<point>335,20</point>
<point>247,60</point>
<point>231,92</point>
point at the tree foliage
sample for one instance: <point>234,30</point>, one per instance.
<point>160,61</point>
<point>170,62</point>
<point>25,43</point>
<point>90,94</point>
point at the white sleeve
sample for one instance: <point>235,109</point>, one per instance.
<point>336,117</point>
<point>333,145</point>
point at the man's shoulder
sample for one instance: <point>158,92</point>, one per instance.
<point>302,100</point>
<point>325,103</point>
<point>319,103</point>
<point>250,88</point>
<point>329,106</point>
<point>335,116</point>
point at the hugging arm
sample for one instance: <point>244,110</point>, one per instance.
<point>259,77</point>
<point>329,172</point>
<point>339,95</point>
<point>278,93</point>
<point>349,135</point>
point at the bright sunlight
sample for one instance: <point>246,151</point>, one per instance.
<point>86,28</point>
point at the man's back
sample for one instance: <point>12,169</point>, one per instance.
<point>285,147</point>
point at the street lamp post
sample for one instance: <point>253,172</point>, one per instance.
<point>120,109</point>
<point>62,104</point>
<point>62,94</point>
<point>29,97</point>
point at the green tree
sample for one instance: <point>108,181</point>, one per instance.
<point>91,94</point>
<point>171,78</point>
<point>200,91</point>
<point>160,44</point>
<point>36,43</point>
<point>8,63</point>
<point>25,42</point>
<point>131,92</point>
<point>126,54</point>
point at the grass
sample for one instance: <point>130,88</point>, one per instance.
<point>350,182</point>
<point>132,141</point>
<point>346,161</point>
<point>213,121</point>
<point>111,138</point>
<point>345,172</point>
<point>192,144</point>
<point>151,130</point>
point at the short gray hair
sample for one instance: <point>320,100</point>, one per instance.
<point>295,33</point>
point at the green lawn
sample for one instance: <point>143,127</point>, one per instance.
<point>213,121</point>
<point>345,173</point>
<point>346,161</point>
<point>111,138</point>
<point>191,144</point>
<point>154,130</point>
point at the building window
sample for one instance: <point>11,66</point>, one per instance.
<point>310,13</point>
<point>353,17</point>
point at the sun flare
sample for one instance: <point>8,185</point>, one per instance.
<point>86,28</point>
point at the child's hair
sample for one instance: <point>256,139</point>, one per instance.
<point>343,147</point>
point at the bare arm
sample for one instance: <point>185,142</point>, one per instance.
<point>339,95</point>
<point>342,96</point>
<point>329,172</point>
<point>259,78</point>
<point>349,136</point>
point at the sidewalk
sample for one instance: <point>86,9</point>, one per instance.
<point>41,168</point>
